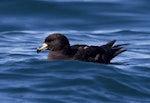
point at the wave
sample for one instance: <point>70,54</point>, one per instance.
<point>27,77</point>
<point>80,80</point>
<point>77,32</point>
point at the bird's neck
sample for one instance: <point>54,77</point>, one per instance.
<point>64,53</point>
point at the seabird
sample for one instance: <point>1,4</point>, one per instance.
<point>60,48</point>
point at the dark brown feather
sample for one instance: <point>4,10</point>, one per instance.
<point>61,49</point>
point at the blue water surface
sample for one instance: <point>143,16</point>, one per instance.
<point>28,77</point>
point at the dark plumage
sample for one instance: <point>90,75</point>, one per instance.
<point>60,48</point>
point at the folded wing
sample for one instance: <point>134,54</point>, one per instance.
<point>100,54</point>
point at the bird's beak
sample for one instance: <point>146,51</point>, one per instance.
<point>43,47</point>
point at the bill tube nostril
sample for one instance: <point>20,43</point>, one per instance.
<point>43,47</point>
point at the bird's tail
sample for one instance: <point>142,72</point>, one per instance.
<point>111,50</point>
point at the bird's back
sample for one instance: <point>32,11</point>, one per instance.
<point>100,54</point>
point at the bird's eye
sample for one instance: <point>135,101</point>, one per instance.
<point>50,40</point>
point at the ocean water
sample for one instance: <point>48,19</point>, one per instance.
<point>28,77</point>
